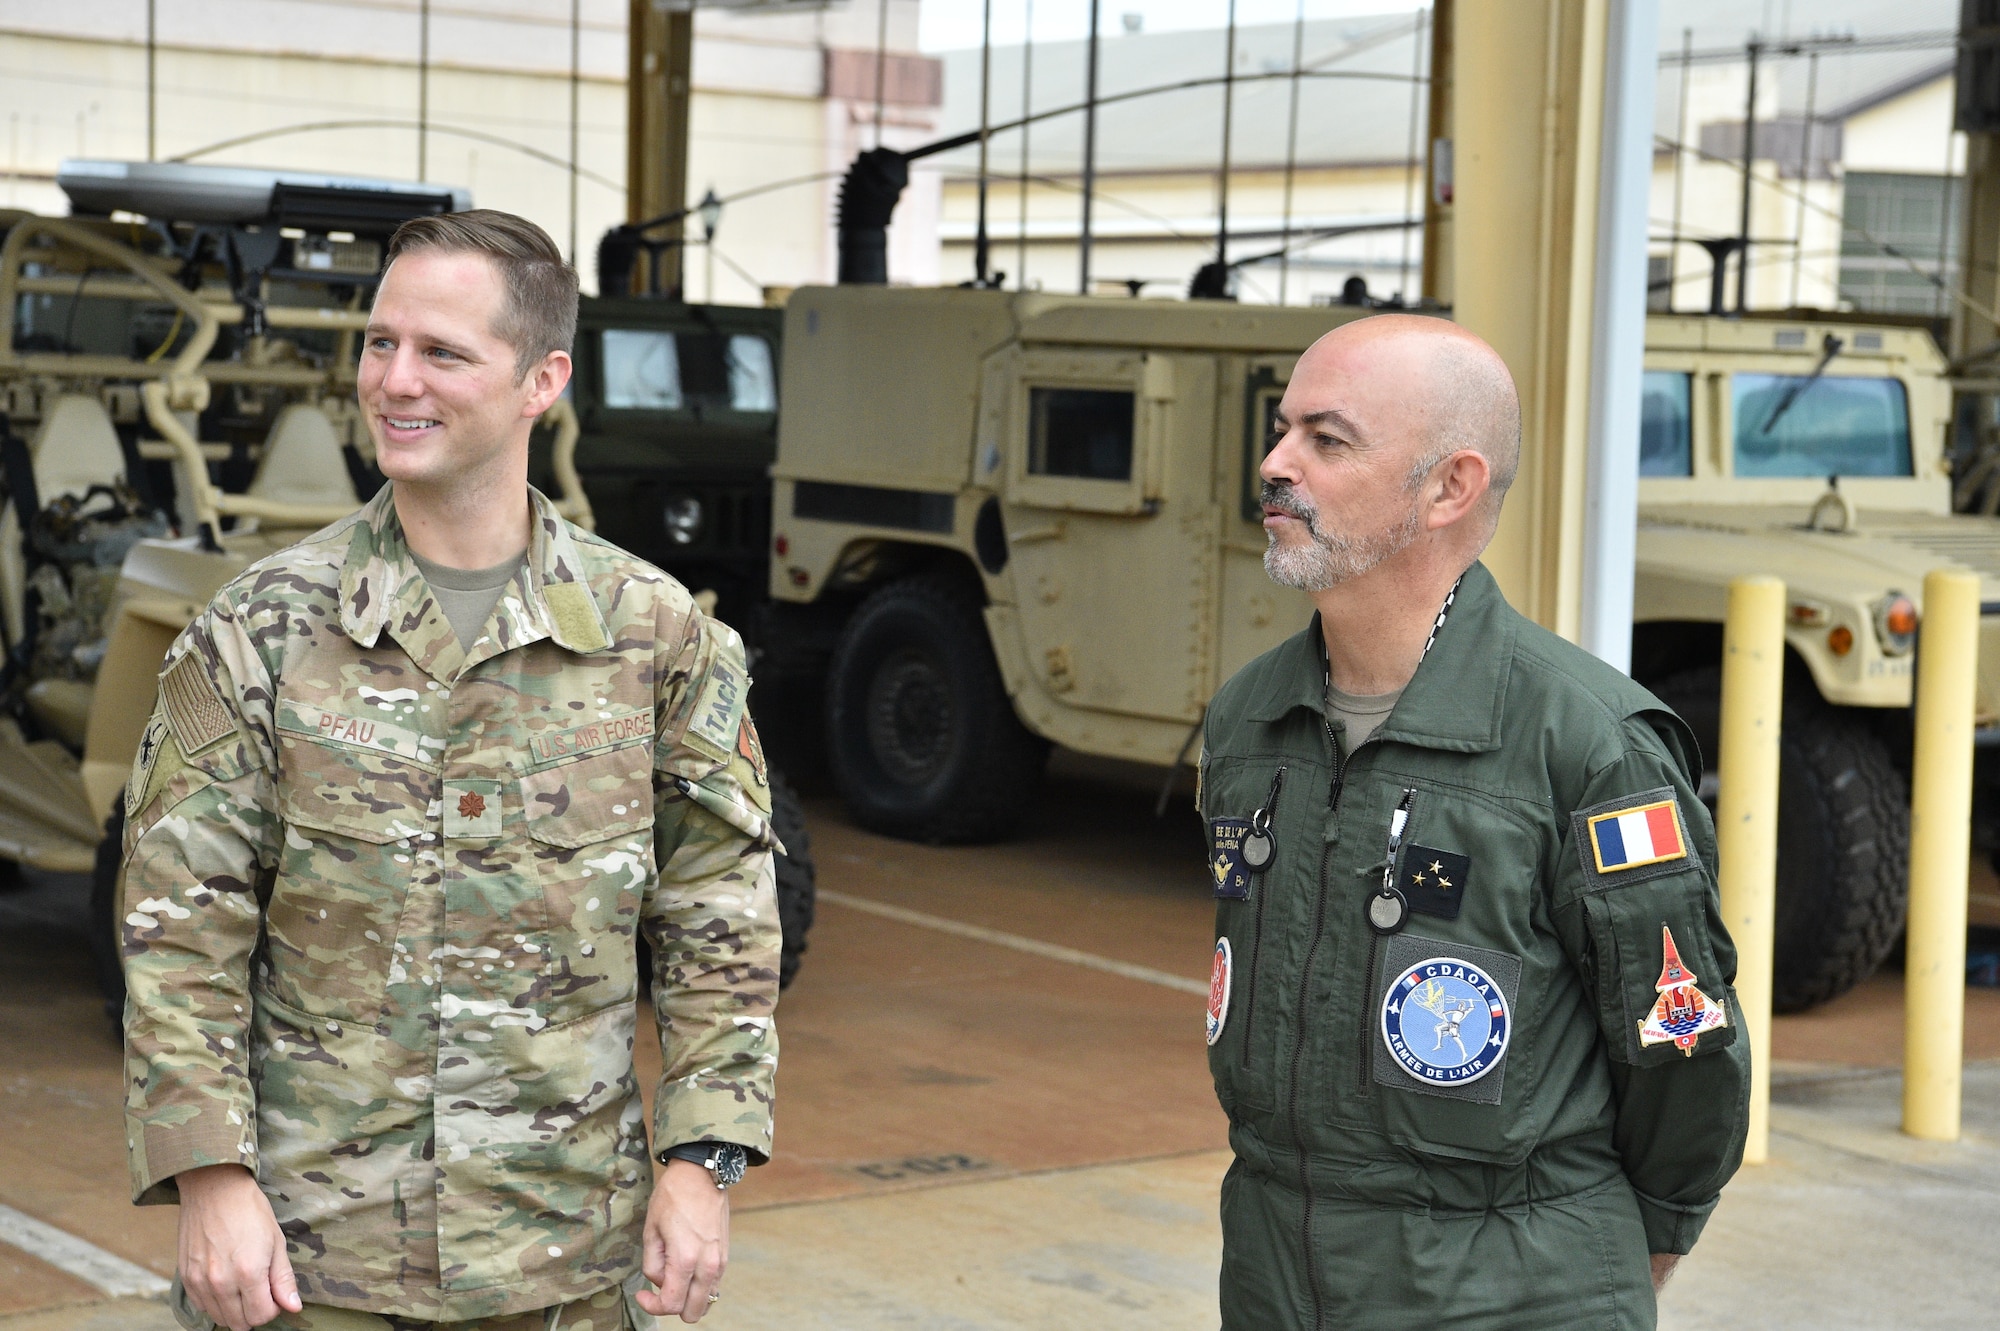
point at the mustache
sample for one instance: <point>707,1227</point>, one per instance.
<point>1282,496</point>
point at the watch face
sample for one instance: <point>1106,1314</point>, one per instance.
<point>729,1161</point>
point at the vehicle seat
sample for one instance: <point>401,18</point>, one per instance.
<point>302,462</point>
<point>74,449</point>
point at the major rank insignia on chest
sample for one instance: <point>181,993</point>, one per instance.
<point>1226,869</point>
<point>1682,1012</point>
<point>1434,881</point>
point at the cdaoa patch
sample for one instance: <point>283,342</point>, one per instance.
<point>1445,1022</point>
<point>1218,990</point>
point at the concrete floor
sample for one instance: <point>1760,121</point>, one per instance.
<point>971,1136</point>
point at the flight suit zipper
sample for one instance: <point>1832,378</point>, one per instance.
<point>1397,823</point>
<point>1257,937</point>
<point>1299,1032</point>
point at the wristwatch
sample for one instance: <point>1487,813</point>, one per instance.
<point>724,1161</point>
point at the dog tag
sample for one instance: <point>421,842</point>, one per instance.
<point>1388,911</point>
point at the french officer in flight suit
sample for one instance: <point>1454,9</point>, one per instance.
<point>1471,1015</point>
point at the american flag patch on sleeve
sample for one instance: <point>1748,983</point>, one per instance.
<point>1640,835</point>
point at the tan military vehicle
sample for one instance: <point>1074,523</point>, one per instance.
<point>1047,530</point>
<point>1814,450</point>
<point>1026,519</point>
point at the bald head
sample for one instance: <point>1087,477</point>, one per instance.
<point>1445,382</point>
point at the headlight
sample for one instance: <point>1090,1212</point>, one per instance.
<point>1896,624</point>
<point>682,519</point>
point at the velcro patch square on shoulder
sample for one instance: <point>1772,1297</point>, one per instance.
<point>193,708</point>
<point>1634,837</point>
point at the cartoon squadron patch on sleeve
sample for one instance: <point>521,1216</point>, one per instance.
<point>751,750</point>
<point>1682,1013</point>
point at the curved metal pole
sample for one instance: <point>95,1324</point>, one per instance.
<point>1089,154</point>
<point>1291,151</point>
<point>1228,113</point>
<point>318,126</point>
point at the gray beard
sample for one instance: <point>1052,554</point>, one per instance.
<point>1331,559</point>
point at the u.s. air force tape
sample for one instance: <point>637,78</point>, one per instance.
<point>194,711</point>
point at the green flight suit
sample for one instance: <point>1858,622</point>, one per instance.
<point>1366,1194</point>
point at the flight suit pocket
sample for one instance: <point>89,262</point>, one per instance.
<point>1660,991</point>
<point>590,821</point>
<point>1445,1025</point>
<point>1650,923</point>
<point>1242,1052</point>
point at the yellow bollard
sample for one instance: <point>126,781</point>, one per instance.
<point>1746,820</point>
<point>1940,845</point>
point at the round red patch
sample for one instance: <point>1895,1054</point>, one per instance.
<point>1218,991</point>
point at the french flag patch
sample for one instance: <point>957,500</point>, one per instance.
<point>1629,838</point>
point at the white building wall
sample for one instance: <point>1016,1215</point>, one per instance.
<point>342,77</point>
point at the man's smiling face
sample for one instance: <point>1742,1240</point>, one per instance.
<point>437,383</point>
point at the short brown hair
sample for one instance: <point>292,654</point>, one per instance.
<point>540,313</point>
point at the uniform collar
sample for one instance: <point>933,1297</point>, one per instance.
<point>1455,699</point>
<point>382,588</point>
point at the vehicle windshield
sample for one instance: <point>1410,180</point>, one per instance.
<point>1666,445</point>
<point>1836,425</point>
<point>648,369</point>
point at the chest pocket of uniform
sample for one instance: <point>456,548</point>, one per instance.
<point>590,799</point>
<point>360,778</point>
<point>1254,913</point>
<point>1452,1036</point>
<point>356,819</point>
<point>591,820</point>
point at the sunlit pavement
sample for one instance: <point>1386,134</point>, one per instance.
<point>971,1135</point>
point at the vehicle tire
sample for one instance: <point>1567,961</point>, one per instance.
<point>795,875</point>
<point>105,906</point>
<point>922,739</point>
<point>1843,838</point>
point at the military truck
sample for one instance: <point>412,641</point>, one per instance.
<point>185,396</point>
<point>678,409</point>
<point>1815,448</point>
<point>1049,533</point>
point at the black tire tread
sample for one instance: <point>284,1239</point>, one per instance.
<point>105,911</point>
<point>992,793</point>
<point>1862,812</point>
<point>796,875</point>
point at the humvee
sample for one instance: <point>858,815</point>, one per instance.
<point>184,396</point>
<point>1049,533</point>
<point>1815,448</point>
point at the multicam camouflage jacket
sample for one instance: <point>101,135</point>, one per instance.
<point>381,900</point>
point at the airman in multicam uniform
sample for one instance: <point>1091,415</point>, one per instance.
<point>382,896</point>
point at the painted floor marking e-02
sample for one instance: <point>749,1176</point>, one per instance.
<point>108,1272</point>
<point>1032,946</point>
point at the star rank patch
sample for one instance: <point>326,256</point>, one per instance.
<point>1434,881</point>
